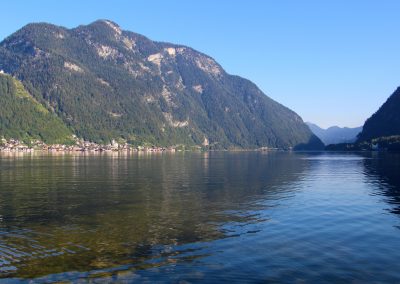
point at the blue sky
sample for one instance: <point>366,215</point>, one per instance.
<point>333,62</point>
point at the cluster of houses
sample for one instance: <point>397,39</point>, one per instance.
<point>14,145</point>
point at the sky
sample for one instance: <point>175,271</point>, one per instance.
<point>332,62</point>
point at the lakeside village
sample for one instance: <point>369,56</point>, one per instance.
<point>18,146</point>
<point>15,145</point>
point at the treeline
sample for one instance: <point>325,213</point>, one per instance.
<point>389,143</point>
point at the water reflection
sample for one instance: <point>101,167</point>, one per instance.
<point>86,212</point>
<point>213,217</point>
<point>383,169</point>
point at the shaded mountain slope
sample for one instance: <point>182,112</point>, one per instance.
<point>385,122</point>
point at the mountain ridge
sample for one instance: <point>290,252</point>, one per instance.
<point>106,83</point>
<point>385,121</point>
<point>335,134</point>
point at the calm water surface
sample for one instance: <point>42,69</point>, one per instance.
<point>200,217</point>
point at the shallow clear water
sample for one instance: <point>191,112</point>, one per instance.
<point>200,217</point>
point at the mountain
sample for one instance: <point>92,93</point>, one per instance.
<point>105,83</point>
<point>23,118</point>
<point>335,134</point>
<point>385,122</point>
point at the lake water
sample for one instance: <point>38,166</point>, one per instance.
<point>200,217</point>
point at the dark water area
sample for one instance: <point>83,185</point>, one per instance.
<point>230,217</point>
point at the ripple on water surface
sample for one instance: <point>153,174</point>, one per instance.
<point>227,217</point>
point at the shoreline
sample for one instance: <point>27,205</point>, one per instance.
<point>81,146</point>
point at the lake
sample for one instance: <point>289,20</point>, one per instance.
<point>234,217</point>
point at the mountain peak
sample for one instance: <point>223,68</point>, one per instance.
<point>335,134</point>
<point>105,84</point>
<point>109,24</point>
<point>32,30</point>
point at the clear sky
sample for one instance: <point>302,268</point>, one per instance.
<point>333,62</point>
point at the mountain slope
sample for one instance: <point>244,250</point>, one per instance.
<point>385,122</point>
<point>22,117</point>
<point>107,83</point>
<point>335,134</point>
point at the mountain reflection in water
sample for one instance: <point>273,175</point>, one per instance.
<point>218,216</point>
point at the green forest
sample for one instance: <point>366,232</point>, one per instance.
<point>23,118</point>
<point>104,85</point>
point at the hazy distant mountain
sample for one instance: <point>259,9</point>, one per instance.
<point>105,83</point>
<point>335,134</point>
<point>385,122</point>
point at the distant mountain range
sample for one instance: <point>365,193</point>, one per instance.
<point>335,134</point>
<point>101,83</point>
<point>380,132</point>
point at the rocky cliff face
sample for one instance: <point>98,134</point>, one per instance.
<point>106,83</point>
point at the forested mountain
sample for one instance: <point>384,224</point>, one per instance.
<point>23,118</point>
<point>385,122</point>
<point>335,134</point>
<point>105,83</point>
